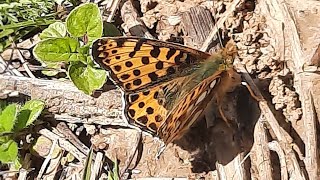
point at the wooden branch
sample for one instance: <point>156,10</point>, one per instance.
<point>260,153</point>
<point>197,25</point>
<point>66,102</point>
<point>274,146</point>
<point>285,21</point>
<point>64,144</point>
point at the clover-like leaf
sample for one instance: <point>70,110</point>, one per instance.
<point>8,118</point>
<point>55,30</point>
<point>85,20</point>
<point>8,151</point>
<point>85,77</point>
<point>28,113</point>
<point>59,49</point>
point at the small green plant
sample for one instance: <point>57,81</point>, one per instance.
<point>19,18</point>
<point>114,174</point>
<point>70,42</point>
<point>12,120</point>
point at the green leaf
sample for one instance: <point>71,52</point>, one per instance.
<point>55,66</point>
<point>88,165</point>
<point>58,49</point>
<point>116,170</point>
<point>8,117</point>
<point>55,30</point>
<point>17,163</point>
<point>3,104</point>
<point>6,32</point>
<point>28,113</point>
<point>114,174</point>
<point>85,19</point>
<point>8,152</point>
<point>86,78</point>
<point>84,49</point>
<point>110,30</point>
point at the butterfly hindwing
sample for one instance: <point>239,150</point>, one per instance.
<point>136,63</point>
<point>148,108</point>
<point>189,109</point>
<point>145,109</point>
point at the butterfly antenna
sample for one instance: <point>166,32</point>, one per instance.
<point>218,33</point>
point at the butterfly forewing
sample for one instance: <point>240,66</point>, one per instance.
<point>137,63</point>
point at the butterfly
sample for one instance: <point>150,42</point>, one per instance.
<point>166,87</point>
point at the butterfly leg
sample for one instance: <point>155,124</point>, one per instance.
<point>229,124</point>
<point>253,95</point>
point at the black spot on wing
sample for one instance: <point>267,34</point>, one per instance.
<point>125,76</point>
<point>150,110</point>
<point>133,97</point>
<point>117,68</point>
<point>146,93</point>
<point>159,65</point>
<point>129,64</point>
<point>132,113</point>
<point>153,76</point>
<point>145,60</point>
<point>153,126</point>
<point>137,82</point>
<point>128,86</point>
<point>120,42</point>
<point>141,104</point>
<point>170,53</point>
<point>136,72</point>
<point>143,119</point>
<point>155,51</point>
<point>178,58</point>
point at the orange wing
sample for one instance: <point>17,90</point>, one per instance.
<point>188,110</point>
<point>135,63</point>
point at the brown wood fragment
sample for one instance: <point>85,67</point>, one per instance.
<point>197,25</point>
<point>66,102</point>
<point>134,25</point>
<point>315,60</point>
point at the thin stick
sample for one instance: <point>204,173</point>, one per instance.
<point>97,165</point>
<point>129,161</point>
<point>114,6</point>
<point>229,10</point>
<point>275,146</point>
<point>47,160</point>
<point>24,63</point>
<point>4,65</point>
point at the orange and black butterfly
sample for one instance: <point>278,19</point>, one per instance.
<point>166,86</point>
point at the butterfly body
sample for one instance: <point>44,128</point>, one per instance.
<point>166,87</point>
